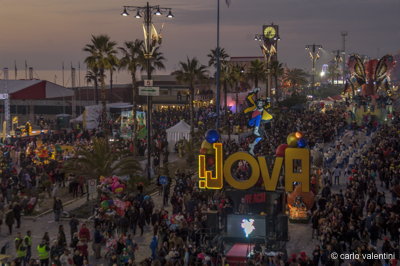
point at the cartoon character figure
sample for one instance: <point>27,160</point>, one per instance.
<point>259,116</point>
<point>248,227</point>
<point>372,76</point>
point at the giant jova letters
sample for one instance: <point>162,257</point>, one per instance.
<point>297,169</point>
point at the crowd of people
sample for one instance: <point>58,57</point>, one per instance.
<point>367,210</point>
<point>351,219</point>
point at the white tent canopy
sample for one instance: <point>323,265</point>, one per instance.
<point>176,133</point>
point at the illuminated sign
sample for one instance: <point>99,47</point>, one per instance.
<point>297,169</point>
<point>255,198</point>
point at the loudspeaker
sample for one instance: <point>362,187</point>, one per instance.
<point>277,227</point>
<point>282,229</point>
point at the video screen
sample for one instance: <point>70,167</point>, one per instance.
<point>240,225</point>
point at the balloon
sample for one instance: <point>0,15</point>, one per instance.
<point>210,151</point>
<point>119,190</point>
<point>291,140</point>
<point>206,145</point>
<point>203,151</point>
<point>298,135</point>
<point>210,161</point>
<point>280,151</point>
<point>301,143</point>
<point>104,204</point>
<point>110,202</point>
<point>212,136</point>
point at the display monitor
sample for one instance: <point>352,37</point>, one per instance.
<point>245,226</point>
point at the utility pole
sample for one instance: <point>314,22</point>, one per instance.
<point>6,102</point>
<point>73,87</point>
<point>344,35</point>
<point>217,76</point>
<point>338,60</point>
<point>147,12</point>
<point>313,49</point>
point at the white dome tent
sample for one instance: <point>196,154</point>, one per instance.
<point>176,133</point>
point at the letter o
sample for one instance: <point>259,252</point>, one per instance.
<point>255,170</point>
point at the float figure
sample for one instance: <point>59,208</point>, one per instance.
<point>259,116</point>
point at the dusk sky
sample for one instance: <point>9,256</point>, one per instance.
<point>48,32</point>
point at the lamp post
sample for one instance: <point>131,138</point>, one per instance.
<point>218,82</point>
<point>269,47</point>
<point>313,49</point>
<point>338,59</point>
<point>147,12</point>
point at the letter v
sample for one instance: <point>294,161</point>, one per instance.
<point>270,182</point>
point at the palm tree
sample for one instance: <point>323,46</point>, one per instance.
<point>223,57</point>
<point>256,71</point>
<point>276,72</point>
<point>296,77</point>
<point>189,73</point>
<point>101,159</point>
<point>131,62</point>
<point>93,76</point>
<point>102,55</point>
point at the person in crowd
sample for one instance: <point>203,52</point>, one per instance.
<point>43,250</point>
<point>73,225</point>
<point>57,209</point>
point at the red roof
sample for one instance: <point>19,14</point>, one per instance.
<point>34,92</point>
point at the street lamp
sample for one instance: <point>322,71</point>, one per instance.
<point>147,12</point>
<point>268,44</point>
<point>313,50</point>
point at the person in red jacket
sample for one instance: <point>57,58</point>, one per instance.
<point>84,233</point>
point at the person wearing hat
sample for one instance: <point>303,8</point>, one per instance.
<point>43,250</point>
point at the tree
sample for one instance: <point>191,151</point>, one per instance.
<point>130,61</point>
<point>276,72</point>
<point>296,77</point>
<point>256,71</point>
<point>102,55</point>
<point>189,73</point>
<point>93,76</point>
<point>101,159</point>
<point>223,57</point>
